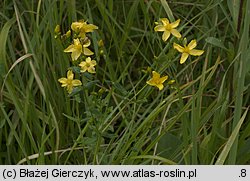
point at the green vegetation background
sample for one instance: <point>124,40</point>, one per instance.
<point>203,119</point>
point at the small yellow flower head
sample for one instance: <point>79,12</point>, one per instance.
<point>88,65</point>
<point>147,70</point>
<point>68,34</point>
<point>171,82</point>
<point>81,28</point>
<point>101,52</point>
<point>69,82</point>
<point>101,90</point>
<point>157,81</point>
<point>75,49</point>
<point>100,43</point>
<point>188,50</point>
<point>168,28</point>
<point>57,31</point>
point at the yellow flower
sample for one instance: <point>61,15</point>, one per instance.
<point>157,81</point>
<point>82,28</point>
<point>168,28</point>
<point>188,50</point>
<point>69,82</point>
<point>77,48</point>
<point>88,65</point>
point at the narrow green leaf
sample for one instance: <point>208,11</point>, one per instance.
<point>230,141</point>
<point>168,10</point>
<point>3,40</point>
<point>216,42</point>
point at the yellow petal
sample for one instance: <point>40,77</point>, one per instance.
<point>87,43</point>
<point>151,82</point>
<point>83,69</point>
<point>77,41</point>
<point>70,88</point>
<point>176,33</point>
<point>70,48</point>
<point>75,26</point>
<point>76,82</point>
<point>87,51</point>
<point>90,28</point>
<point>88,60</point>
<point>160,86</point>
<point>195,52</point>
<point>91,70</point>
<point>63,81</point>
<point>192,44</point>
<point>93,62</point>
<point>163,79</point>
<point>178,47</point>
<point>70,75</point>
<point>175,24</point>
<point>75,55</point>
<point>82,64</point>
<point>159,28</point>
<point>156,75</point>
<point>165,21</point>
<point>165,35</point>
<point>184,57</point>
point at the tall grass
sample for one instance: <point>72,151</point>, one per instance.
<point>117,118</point>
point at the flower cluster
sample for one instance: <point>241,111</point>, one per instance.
<point>169,28</point>
<point>187,49</point>
<point>80,52</point>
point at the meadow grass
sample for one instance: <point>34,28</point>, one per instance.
<point>116,118</point>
